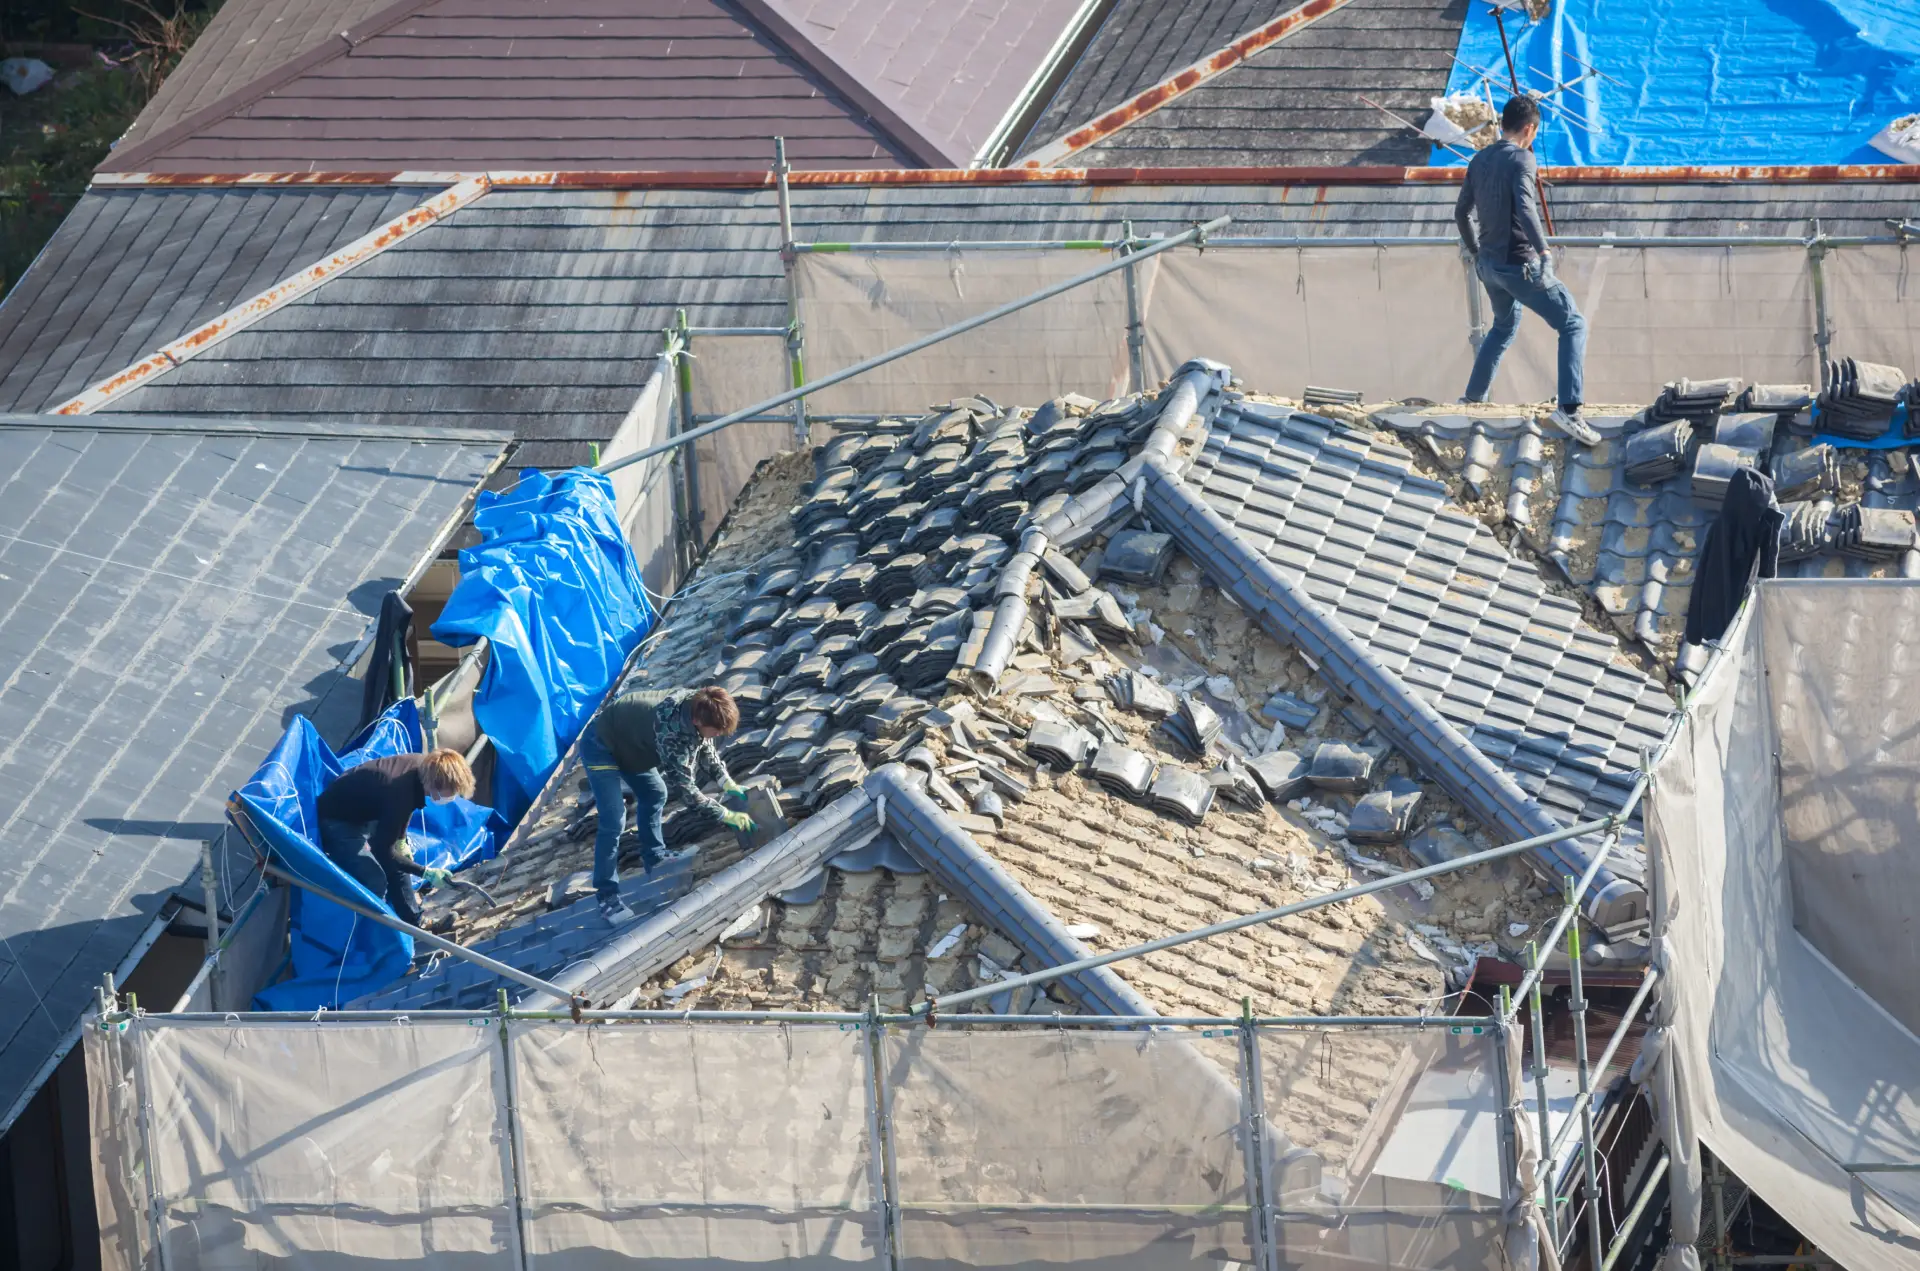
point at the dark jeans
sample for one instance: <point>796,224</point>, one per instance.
<point>649,797</point>
<point>345,843</point>
<point>1509,288</point>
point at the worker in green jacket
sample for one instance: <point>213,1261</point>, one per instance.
<point>657,743</point>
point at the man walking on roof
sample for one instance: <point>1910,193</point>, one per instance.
<point>657,744</point>
<point>1509,247</point>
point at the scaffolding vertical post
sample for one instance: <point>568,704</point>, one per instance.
<point>693,537</point>
<point>1510,1113</point>
<point>1253,1101</point>
<point>880,1134</point>
<point>789,258</point>
<point>1578,1008</point>
<point>1548,1183</point>
<point>1136,330</point>
<point>1817,249</point>
<point>1476,308</point>
<point>135,1036</point>
<point>512,1149</point>
<point>1721,1245</point>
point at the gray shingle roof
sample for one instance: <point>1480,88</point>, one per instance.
<point>130,270</point>
<point>539,309</point>
<point>172,592</point>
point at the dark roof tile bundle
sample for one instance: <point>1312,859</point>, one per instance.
<point>1872,533</point>
<point>1137,556</point>
<point>1656,454</point>
<point>1194,725</point>
<point>1806,474</point>
<point>1713,468</point>
<point>1122,770</point>
<point>1781,399</point>
<point>1694,400</point>
<point>1859,399</point>
<point>1386,814</point>
<point>1283,774</point>
<point>1341,768</point>
<point>1180,793</point>
<point>1063,747</point>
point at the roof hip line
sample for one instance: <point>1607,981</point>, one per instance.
<point>248,312</point>
<point>1182,82</point>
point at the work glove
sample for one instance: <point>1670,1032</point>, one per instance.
<point>732,791</point>
<point>437,877</point>
<point>739,821</point>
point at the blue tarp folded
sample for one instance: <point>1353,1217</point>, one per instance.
<point>1704,81</point>
<point>337,955</point>
<point>555,589</point>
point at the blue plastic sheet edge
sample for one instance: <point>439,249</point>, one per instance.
<point>1894,438</point>
<point>554,587</point>
<point>335,954</point>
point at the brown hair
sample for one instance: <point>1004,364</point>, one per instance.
<point>712,707</point>
<point>446,774</point>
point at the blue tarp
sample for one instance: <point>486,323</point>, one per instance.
<point>337,955</point>
<point>1704,81</point>
<point>554,587</point>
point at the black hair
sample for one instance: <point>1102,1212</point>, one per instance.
<point>1518,113</point>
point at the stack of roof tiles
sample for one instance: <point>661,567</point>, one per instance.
<point>1859,399</point>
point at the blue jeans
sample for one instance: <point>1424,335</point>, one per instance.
<point>345,843</point>
<point>1510,288</point>
<point>649,796</point>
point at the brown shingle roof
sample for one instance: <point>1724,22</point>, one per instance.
<point>472,84</point>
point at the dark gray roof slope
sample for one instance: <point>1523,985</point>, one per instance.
<point>1299,101</point>
<point>130,270</point>
<point>1439,601</point>
<point>172,592</point>
<point>1140,43</point>
<point>538,309</point>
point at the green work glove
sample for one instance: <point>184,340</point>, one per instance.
<point>738,821</point>
<point>437,877</point>
<point>732,791</point>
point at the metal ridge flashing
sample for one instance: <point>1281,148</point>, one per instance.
<point>248,312</point>
<point>1181,82</point>
<point>1277,175</point>
<point>1408,720</point>
<point>703,913</point>
<point>923,827</point>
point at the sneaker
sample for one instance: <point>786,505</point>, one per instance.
<point>1575,425</point>
<point>615,911</point>
<point>440,924</point>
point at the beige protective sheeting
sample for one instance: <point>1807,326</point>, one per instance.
<point>731,373</point>
<point>1873,304</point>
<point>702,1145</point>
<point>857,305</point>
<point>295,1141</point>
<point>1029,1148</point>
<point>643,491</point>
<point>1849,747</point>
<point>1390,322</point>
<point>1655,314</point>
<point>1788,1067</point>
<point>1406,1123</point>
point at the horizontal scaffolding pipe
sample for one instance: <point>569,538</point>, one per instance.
<point>830,1017</point>
<point>949,1000</point>
<point>1198,232</point>
<point>1881,1167</point>
<point>1347,240</point>
<point>777,331</point>
<point>424,937</point>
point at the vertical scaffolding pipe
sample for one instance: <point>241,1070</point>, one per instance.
<point>796,362</point>
<point>513,1149</point>
<point>1253,1098</point>
<point>1476,303</point>
<point>880,1128</point>
<point>1721,1245</point>
<point>137,1038</point>
<point>1136,330</point>
<point>1549,1183</point>
<point>1822,333</point>
<point>694,526</point>
<point>212,896</point>
<point>1578,1008</point>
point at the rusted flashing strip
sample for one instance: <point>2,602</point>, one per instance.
<point>661,179</point>
<point>248,312</point>
<point>1182,82</point>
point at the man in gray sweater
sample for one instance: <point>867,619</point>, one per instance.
<point>1498,213</point>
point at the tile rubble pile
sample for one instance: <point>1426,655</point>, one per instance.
<point>1211,815</point>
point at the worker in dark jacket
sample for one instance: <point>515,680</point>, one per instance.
<point>658,743</point>
<point>1509,248</point>
<point>364,813</point>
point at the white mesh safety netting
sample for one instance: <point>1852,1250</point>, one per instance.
<point>457,1143</point>
<point>1784,1065</point>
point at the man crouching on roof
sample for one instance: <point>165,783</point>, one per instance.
<point>363,822</point>
<point>658,743</point>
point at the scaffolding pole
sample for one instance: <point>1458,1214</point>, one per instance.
<point>692,519</point>
<point>1136,314</point>
<point>1196,234</point>
<point>796,361</point>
